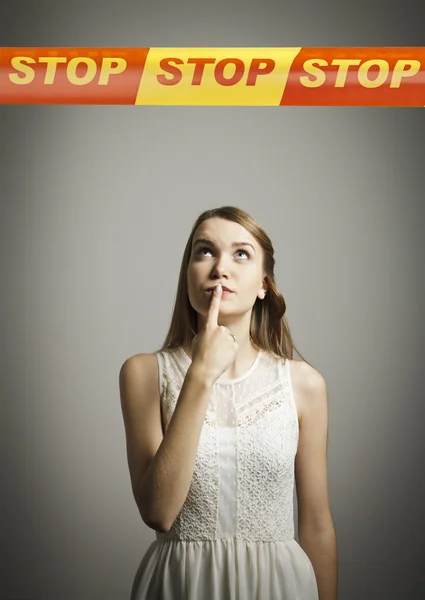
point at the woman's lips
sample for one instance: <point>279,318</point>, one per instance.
<point>223,293</point>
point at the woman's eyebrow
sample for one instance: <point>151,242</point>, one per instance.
<point>233,244</point>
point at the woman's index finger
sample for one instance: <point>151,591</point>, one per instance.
<point>214,308</point>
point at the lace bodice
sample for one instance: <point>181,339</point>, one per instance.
<point>243,480</point>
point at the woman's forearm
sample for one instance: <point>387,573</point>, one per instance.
<point>165,485</point>
<point>321,548</point>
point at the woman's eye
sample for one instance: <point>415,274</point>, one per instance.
<point>205,249</point>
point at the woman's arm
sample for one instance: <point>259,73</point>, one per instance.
<point>315,527</point>
<point>161,467</point>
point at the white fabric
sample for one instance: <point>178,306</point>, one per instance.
<point>234,536</point>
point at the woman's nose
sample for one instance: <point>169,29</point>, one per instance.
<point>220,267</point>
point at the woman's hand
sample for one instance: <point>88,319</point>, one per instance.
<point>213,348</point>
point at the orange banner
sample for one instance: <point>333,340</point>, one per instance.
<point>70,75</point>
<point>357,77</point>
<point>214,76</point>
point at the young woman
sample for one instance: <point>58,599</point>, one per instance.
<point>221,423</point>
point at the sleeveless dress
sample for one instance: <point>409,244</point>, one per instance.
<point>234,536</point>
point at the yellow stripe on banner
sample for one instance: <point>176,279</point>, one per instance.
<point>215,76</point>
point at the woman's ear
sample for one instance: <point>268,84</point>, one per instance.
<point>263,291</point>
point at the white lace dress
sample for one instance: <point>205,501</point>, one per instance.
<point>234,536</point>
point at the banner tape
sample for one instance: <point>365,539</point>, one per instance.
<point>214,76</point>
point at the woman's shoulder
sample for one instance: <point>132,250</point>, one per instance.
<point>306,382</point>
<point>147,365</point>
<point>304,375</point>
<point>142,364</point>
<point>141,358</point>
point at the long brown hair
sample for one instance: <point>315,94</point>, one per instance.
<point>269,328</point>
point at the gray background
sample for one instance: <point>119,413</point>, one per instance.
<point>96,206</point>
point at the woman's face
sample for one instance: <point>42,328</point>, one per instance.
<point>224,251</point>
